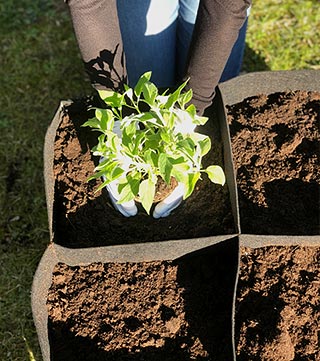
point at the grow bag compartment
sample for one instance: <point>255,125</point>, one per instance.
<point>81,217</point>
<point>273,120</point>
<point>198,302</point>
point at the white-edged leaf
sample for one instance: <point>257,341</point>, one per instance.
<point>205,145</point>
<point>125,192</point>
<point>150,92</point>
<point>112,98</point>
<point>200,120</point>
<point>142,80</point>
<point>147,190</point>
<point>92,123</point>
<point>216,174</point>
<point>185,98</point>
<point>180,172</point>
<point>173,98</point>
<point>165,167</point>
<point>192,180</point>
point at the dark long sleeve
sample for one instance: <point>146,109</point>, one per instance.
<point>97,30</point>
<point>216,30</point>
<point>98,33</point>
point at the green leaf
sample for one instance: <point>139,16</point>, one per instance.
<point>110,171</point>
<point>107,165</point>
<point>105,94</point>
<point>114,99</point>
<point>187,145</point>
<point>178,160</point>
<point>125,192</point>
<point>112,142</point>
<point>192,110</point>
<point>200,120</point>
<point>192,180</point>
<point>165,167</point>
<point>142,80</point>
<point>131,183</point>
<point>150,92</point>
<point>102,185</point>
<point>169,118</point>
<point>101,146</point>
<point>117,172</point>
<point>138,140</point>
<point>147,191</point>
<point>205,145</point>
<point>92,123</point>
<point>180,172</point>
<point>128,134</point>
<point>185,98</point>
<point>106,118</point>
<point>173,98</point>
<point>153,141</point>
<point>166,137</point>
<point>216,174</point>
<point>151,157</point>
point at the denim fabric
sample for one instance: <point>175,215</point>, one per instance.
<point>156,36</point>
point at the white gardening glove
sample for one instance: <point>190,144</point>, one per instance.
<point>128,209</point>
<point>164,208</point>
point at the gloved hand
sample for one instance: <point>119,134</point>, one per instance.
<point>165,207</point>
<point>129,209</point>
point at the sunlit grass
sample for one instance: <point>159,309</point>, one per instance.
<point>285,35</point>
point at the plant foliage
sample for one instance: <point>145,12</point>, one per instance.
<point>161,141</point>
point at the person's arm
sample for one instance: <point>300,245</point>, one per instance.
<point>216,30</point>
<point>98,34</point>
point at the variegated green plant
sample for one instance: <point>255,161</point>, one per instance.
<point>160,142</point>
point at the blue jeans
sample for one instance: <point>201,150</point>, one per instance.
<point>156,36</point>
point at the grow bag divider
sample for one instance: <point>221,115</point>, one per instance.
<point>137,252</point>
<point>228,165</point>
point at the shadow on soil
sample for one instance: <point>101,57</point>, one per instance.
<point>292,208</point>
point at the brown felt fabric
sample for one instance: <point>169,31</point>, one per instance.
<point>97,30</point>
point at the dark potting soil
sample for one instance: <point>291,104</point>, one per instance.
<point>85,218</point>
<point>278,304</point>
<point>161,310</point>
<point>181,310</point>
<point>276,149</point>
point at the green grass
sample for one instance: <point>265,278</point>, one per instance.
<point>40,65</point>
<point>283,35</point>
